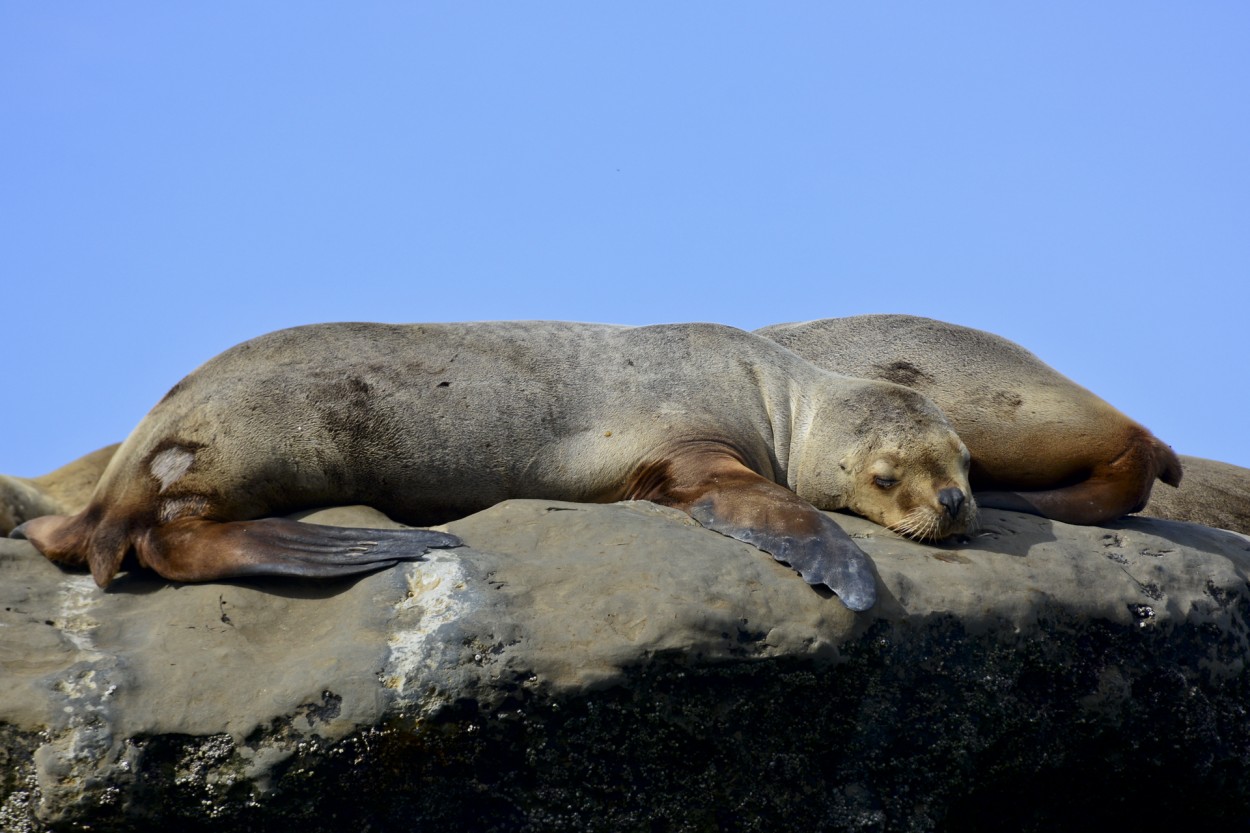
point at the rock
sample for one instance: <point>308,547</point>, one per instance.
<point>1211,493</point>
<point>617,667</point>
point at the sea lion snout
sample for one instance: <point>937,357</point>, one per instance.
<point>953,499</point>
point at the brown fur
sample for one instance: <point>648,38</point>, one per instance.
<point>63,491</point>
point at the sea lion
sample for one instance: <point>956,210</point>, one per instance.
<point>61,492</point>
<point>1040,443</point>
<point>427,422</point>
<point>1212,493</point>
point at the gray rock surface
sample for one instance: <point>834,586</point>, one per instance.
<point>586,667</point>
<point>1211,493</point>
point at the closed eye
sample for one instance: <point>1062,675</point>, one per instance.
<point>885,482</point>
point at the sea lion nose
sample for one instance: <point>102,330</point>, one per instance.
<point>952,499</point>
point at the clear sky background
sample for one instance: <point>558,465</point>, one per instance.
<point>176,178</point>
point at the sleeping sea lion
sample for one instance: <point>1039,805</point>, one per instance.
<point>428,422</point>
<point>1040,443</point>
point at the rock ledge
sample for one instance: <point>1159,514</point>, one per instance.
<point>582,667</point>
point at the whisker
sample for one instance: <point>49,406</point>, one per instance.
<point>924,524</point>
<point>919,524</point>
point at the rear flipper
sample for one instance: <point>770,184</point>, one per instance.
<point>1011,501</point>
<point>1111,490</point>
<point>724,495</point>
<point>199,550</point>
<point>1086,504</point>
<point>194,549</point>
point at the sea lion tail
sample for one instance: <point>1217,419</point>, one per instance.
<point>1167,463</point>
<point>78,540</point>
<point>195,549</point>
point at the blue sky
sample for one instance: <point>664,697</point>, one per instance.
<point>176,178</point>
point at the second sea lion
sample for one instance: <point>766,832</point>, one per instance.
<point>1040,443</point>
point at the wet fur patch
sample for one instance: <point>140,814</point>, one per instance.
<point>903,373</point>
<point>1006,403</point>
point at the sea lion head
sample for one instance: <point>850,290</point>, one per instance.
<point>920,490</point>
<point>902,465</point>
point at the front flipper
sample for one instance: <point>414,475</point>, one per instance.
<point>817,548</point>
<point>201,550</point>
<point>719,491</point>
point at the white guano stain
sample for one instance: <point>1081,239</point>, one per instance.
<point>78,598</point>
<point>435,598</point>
